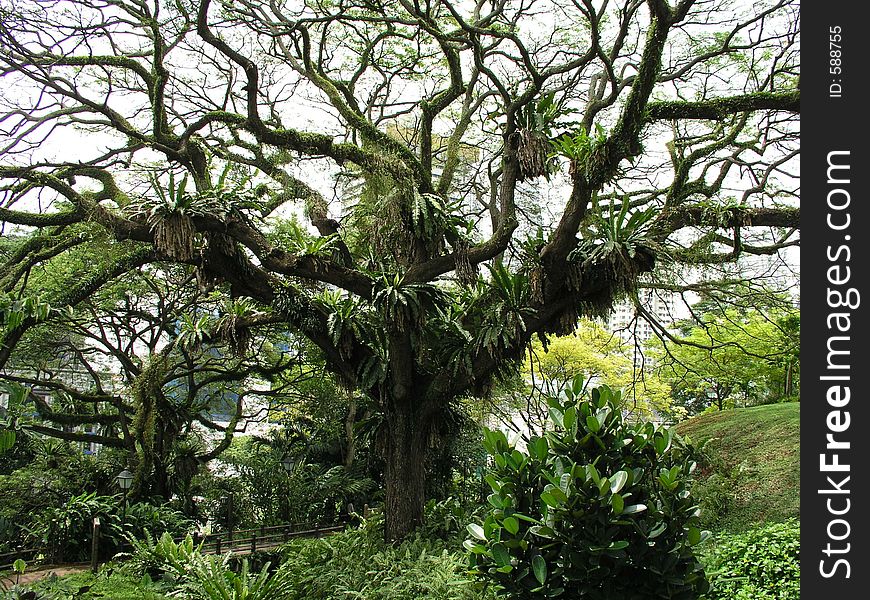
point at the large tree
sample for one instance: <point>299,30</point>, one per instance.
<point>419,140</point>
<point>151,366</point>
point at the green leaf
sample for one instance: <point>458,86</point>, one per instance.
<point>477,531</point>
<point>592,473</point>
<point>569,419</point>
<point>494,483</point>
<point>500,554</point>
<point>592,424</point>
<point>657,531</point>
<point>618,480</point>
<point>634,508</point>
<point>512,525</point>
<point>7,440</point>
<point>473,547</point>
<point>558,494</point>
<point>618,503</point>
<point>538,447</point>
<point>539,567</point>
<point>662,441</point>
<point>496,500</point>
<point>543,531</point>
<point>577,385</point>
<point>618,545</point>
<point>505,569</point>
<point>494,441</point>
<point>557,417</point>
<point>19,566</point>
<point>549,500</point>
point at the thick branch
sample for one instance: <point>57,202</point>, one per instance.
<point>720,108</point>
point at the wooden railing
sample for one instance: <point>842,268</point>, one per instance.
<point>239,541</point>
<point>28,555</point>
<point>244,541</point>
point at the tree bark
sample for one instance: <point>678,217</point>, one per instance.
<point>407,441</point>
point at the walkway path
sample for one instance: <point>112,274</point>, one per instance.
<point>41,572</point>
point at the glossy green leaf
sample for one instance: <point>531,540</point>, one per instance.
<point>538,447</point>
<point>477,531</point>
<point>617,481</point>
<point>500,554</point>
<point>569,419</point>
<point>592,424</point>
<point>618,503</point>
<point>634,508</point>
<point>539,568</point>
<point>621,544</point>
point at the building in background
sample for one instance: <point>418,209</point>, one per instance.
<point>633,328</point>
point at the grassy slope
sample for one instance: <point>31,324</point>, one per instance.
<point>757,450</point>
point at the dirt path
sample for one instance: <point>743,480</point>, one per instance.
<point>31,576</point>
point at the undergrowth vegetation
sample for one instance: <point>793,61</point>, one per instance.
<point>359,564</point>
<point>759,564</point>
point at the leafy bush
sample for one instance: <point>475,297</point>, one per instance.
<point>161,557</point>
<point>595,508</point>
<point>198,576</point>
<point>156,519</point>
<point>55,472</point>
<point>447,520</point>
<point>758,564</point>
<point>212,579</point>
<point>714,496</point>
<point>358,564</point>
<point>70,526</point>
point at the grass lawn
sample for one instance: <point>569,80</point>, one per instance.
<point>755,452</point>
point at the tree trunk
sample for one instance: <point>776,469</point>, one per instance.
<point>407,440</point>
<point>350,441</point>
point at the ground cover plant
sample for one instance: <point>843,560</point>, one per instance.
<point>760,563</point>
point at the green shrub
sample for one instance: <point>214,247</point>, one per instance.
<point>447,520</point>
<point>58,472</point>
<point>156,519</point>
<point>595,508</point>
<point>204,577</point>
<point>758,564</point>
<point>211,579</point>
<point>713,495</point>
<point>70,526</point>
<point>161,557</point>
<point>358,563</point>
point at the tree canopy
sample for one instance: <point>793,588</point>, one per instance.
<point>350,166</point>
<point>602,358</point>
<point>733,357</point>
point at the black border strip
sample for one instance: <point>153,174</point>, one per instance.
<point>835,249</point>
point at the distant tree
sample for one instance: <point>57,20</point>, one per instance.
<point>141,364</point>
<point>602,358</point>
<point>733,358</point>
<point>416,139</point>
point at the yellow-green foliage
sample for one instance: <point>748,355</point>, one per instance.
<point>601,357</point>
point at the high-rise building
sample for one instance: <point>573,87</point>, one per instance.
<point>633,327</point>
